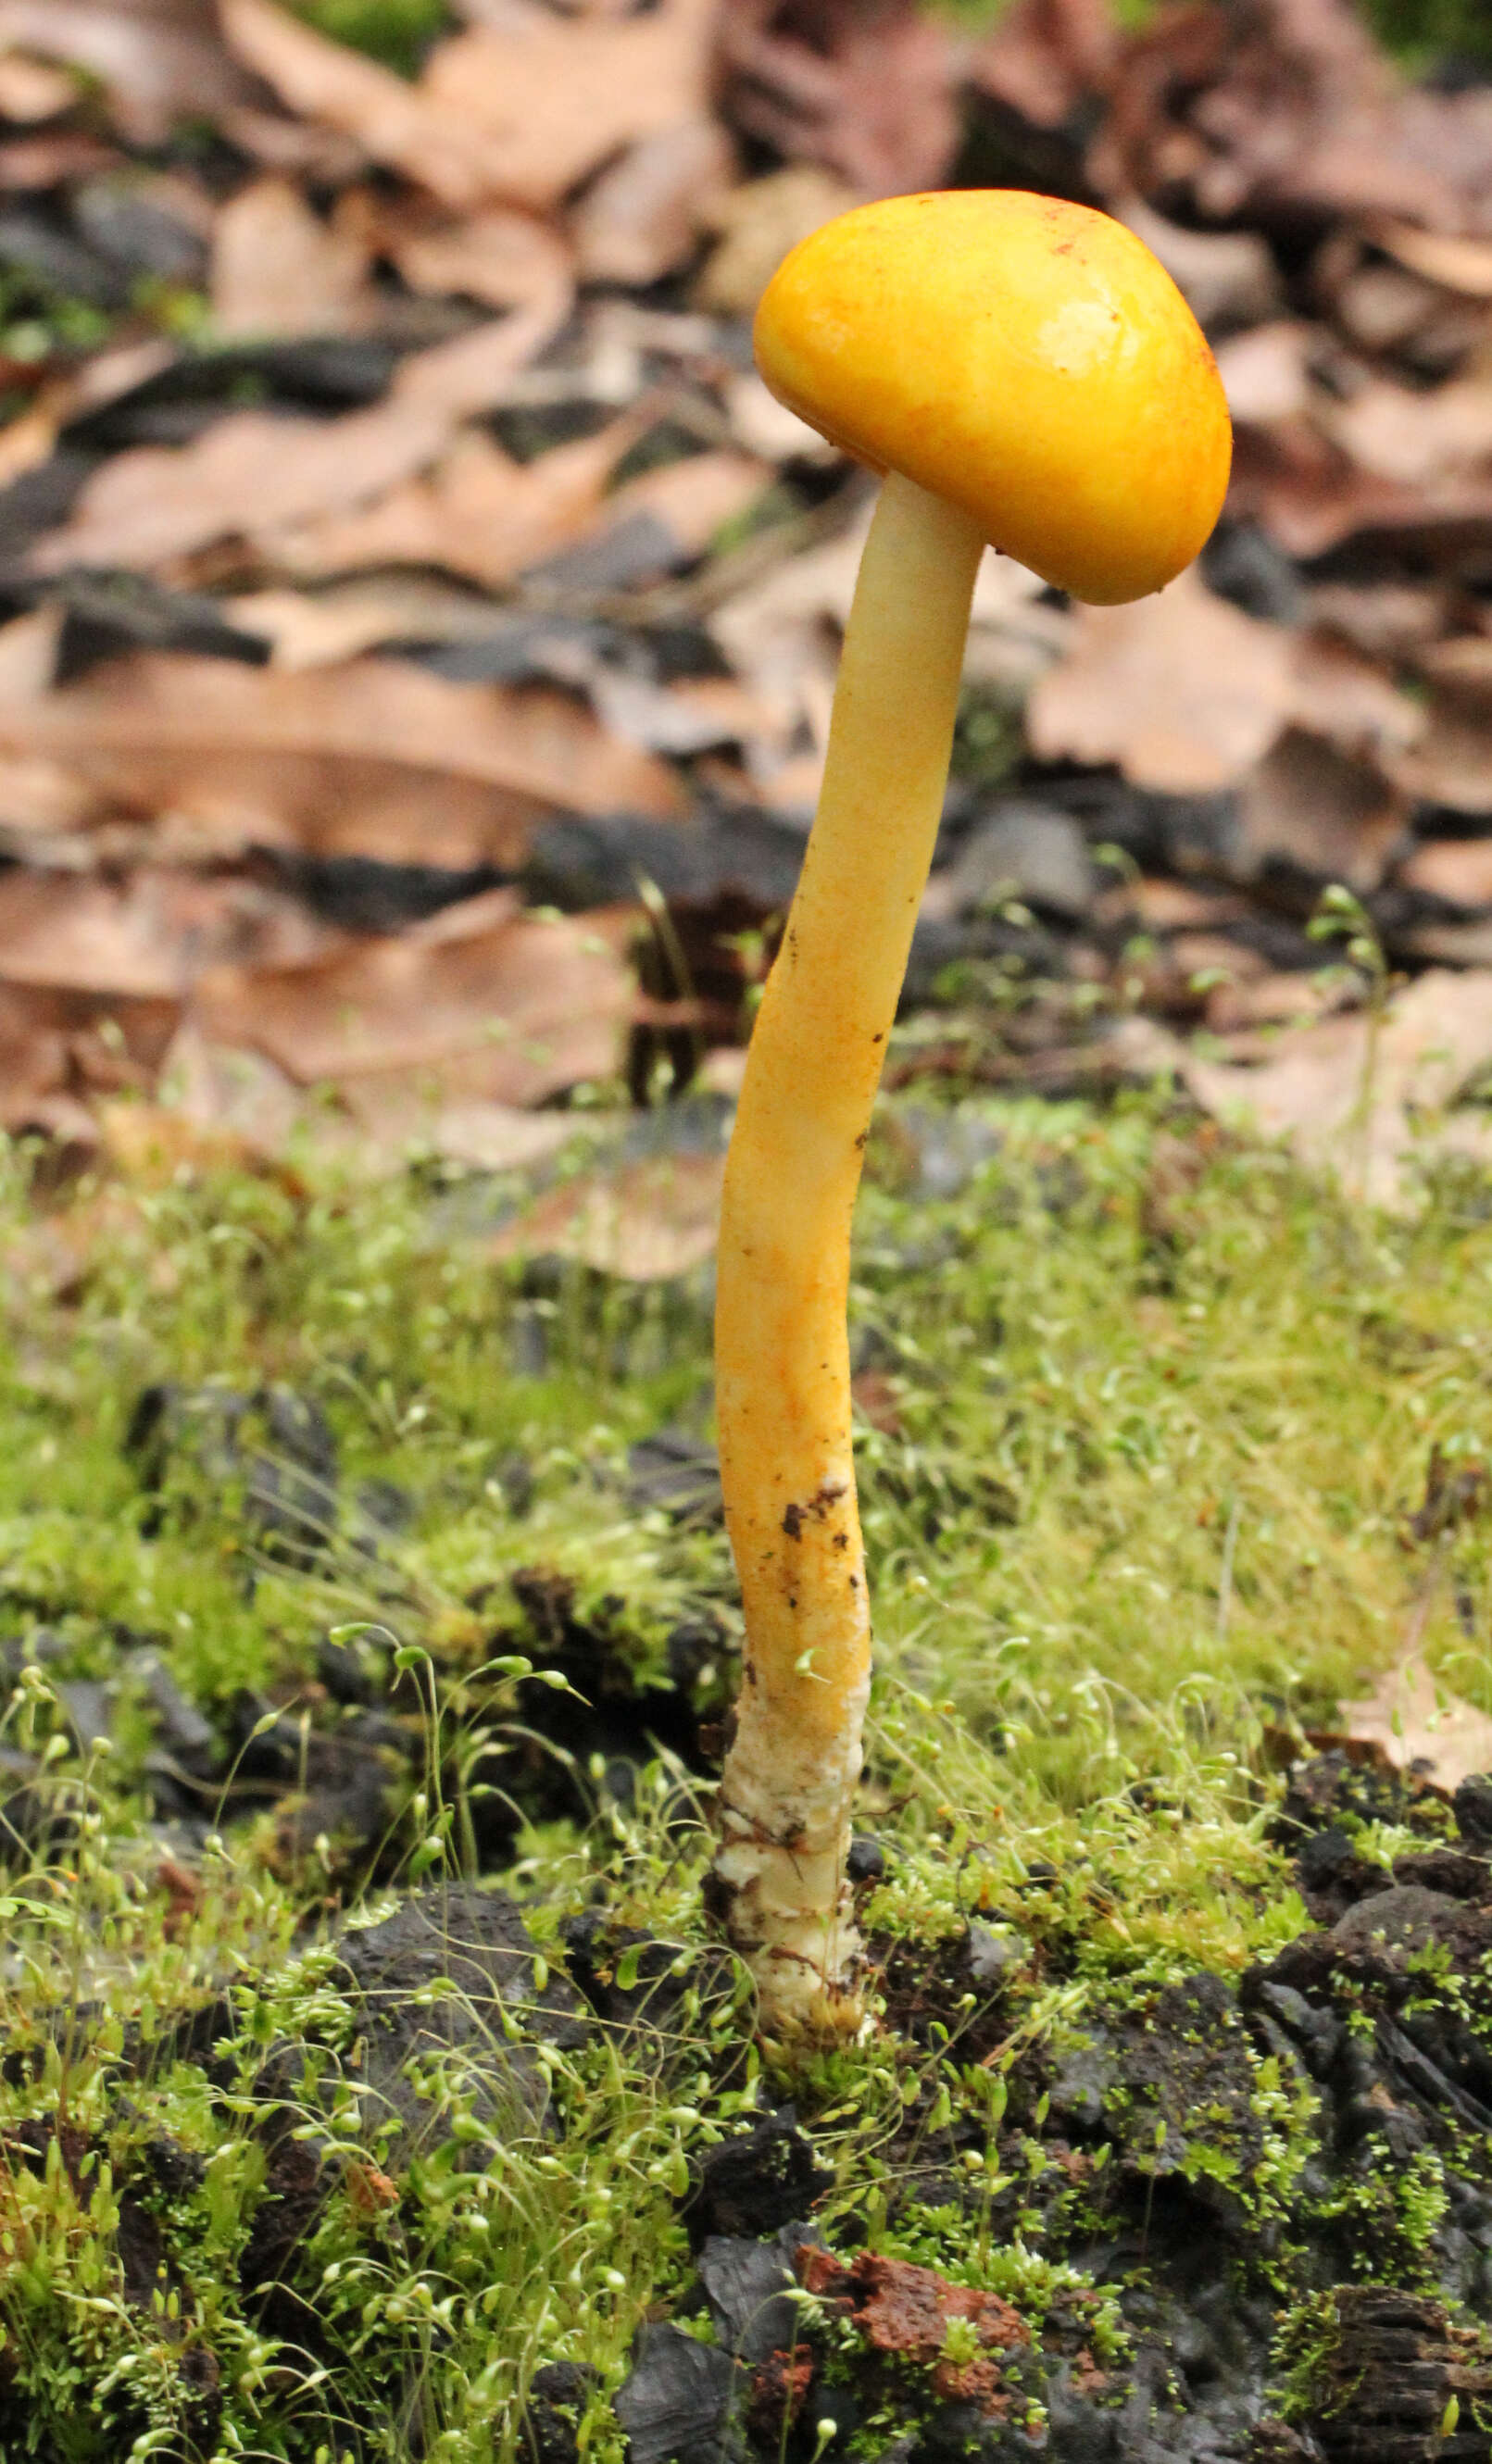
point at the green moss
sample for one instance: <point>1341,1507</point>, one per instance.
<point>1084,1417</point>
<point>987,740</point>
<point>396,31</point>
<point>1307,2337</point>
<point>1103,1392</point>
<point>1417,32</point>
<point>1420,32</point>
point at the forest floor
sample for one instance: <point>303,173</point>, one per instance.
<point>418,632</point>
<point>347,1568</point>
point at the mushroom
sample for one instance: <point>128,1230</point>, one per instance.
<point>1025,375</point>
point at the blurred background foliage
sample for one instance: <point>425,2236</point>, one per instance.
<point>395,32</point>
<point>1424,35</point>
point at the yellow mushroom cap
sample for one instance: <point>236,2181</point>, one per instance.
<point>1025,358</point>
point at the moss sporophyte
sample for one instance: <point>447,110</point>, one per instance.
<point>1027,376</point>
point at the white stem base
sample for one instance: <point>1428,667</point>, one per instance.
<point>784,1835</point>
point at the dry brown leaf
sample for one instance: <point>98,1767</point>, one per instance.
<point>722,1071</point>
<point>119,369</point>
<point>870,90</point>
<point>398,1116</point>
<point>307,632</point>
<point>29,654</point>
<point>759,223</point>
<point>255,472</point>
<point>686,717</point>
<point>1384,307</point>
<point>1265,371</point>
<point>31,440</point>
<point>1226,277</point>
<point>646,1220</point>
<point>322,629</point>
<point>370,1127</point>
<point>59,1046</point>
<point>156,1145</point>
<point>160,60</point>
<point>1183,691</point>
<point>521,112</point>
<point>62,154</point>
<point>1446,257</point>
<point>1046,59</point>
<point>369,708</point>
<point>1309,804</point>
<point>479,514</point>
<point>1310,498</point>
<point>204,804</point>
<point>1410,1719</point>
<point>550,99</point>
<point>1193,952</point>
<point>392,122</point>
<point>1186,694</point>
<point>1415,439</point>
<point>373,1124</point>
<point>1166,905</point>
<point>1282,112</point>
<point>497,255</point>
<point>779,636</point>
<point>694,498</point>
<point>278,269</point>
<point>641,218</point>
<point>1466,944</point>
<point>482,1002</point>
<point>297,148</point>
<point>468,376</point>
<point>375,757</point>
<point>1341,694</point>
<point>1451,761</point>
<point>224,1103</point>
<point>40,804</point>
<point>1272,999</point>
<point>30,91</point>
<point>1458,871</point>
<point>766,427</point>
<point>1387,620</point>
<point>230,1090</point>
<point>1462,665</point>
<point>1366,1124</point>
<point>150,932</point>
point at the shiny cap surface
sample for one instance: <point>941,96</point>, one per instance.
<point>1025,357</point>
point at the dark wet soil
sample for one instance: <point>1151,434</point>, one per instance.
<point>338,1759</point>
<point>1270,2202</point>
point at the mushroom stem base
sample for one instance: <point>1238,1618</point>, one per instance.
<point>778,1882</point>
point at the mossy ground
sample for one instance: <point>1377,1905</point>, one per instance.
<point>1149,1412</point>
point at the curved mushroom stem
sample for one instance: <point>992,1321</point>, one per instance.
<point>782,1346</point>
